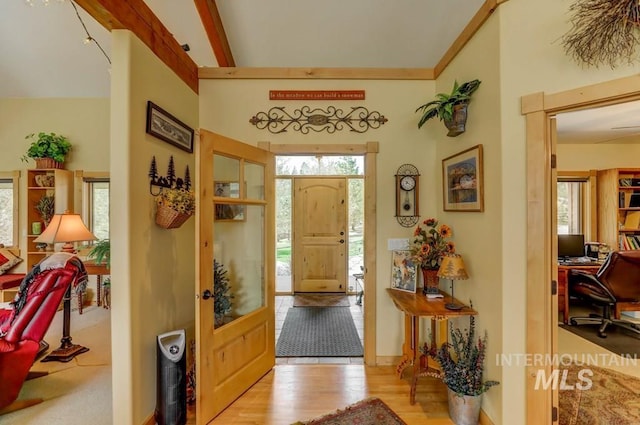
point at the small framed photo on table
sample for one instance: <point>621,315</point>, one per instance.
<point>404,271</point>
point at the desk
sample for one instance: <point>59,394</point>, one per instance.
<point>563,287</point>
<point>97,270</point>
<point>415,306</point>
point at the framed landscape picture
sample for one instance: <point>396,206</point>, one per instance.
<point>165,126</point>
<point>404,271</point>
<point>462,180</point>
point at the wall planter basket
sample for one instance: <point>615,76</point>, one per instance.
<point>168,218</point>
<point>47,163</point>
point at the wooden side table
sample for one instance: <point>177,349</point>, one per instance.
<point>97,270</point>
<point>415,306</point>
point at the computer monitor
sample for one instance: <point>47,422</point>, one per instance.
<point>570,246</point>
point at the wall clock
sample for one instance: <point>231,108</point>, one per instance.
<point>407,199</point>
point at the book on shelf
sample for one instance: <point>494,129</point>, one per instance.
<point>632,220</point>
<point>632,242</point>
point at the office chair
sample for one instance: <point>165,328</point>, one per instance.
<point>617,283</point>
<point>23,326</point>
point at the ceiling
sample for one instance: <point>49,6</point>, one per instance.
<point>44,53</point>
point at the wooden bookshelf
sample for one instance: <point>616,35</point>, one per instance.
<point>619,208</point>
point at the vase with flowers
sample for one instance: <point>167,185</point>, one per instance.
<point>430,242</point>
<point>175,206</point>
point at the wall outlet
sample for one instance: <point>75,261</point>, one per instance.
<point>397,244</point>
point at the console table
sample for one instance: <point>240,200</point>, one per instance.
<point>414,306</point>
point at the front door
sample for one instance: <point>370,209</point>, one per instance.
<point>235,308</point>
<point>320,234</point>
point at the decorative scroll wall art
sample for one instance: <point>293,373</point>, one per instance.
<point>359,119</point>
<point>603,31</point>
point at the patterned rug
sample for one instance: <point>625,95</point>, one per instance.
<point>612,399</point>
<point>320,300</point>
<point>318,332</point>
<point>371,411</point>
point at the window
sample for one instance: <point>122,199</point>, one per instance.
<point>95,202</point>
<point>572,206</point>
<point>9,208</point>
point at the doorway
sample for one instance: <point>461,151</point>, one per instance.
<point>368,152</point>
<point>539,109</point>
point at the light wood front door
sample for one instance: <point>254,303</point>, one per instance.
<point>320,235</point>
<point>236,346</point>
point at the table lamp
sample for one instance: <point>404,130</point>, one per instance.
<point>452,267</point>
<point>65,228</point>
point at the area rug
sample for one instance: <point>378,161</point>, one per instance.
<point>371,411</point>
<point>320,300</point>
<point>318,332</point>
<point>612,398</point>
<point>619,340</point>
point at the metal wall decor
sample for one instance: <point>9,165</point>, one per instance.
<point>305,119</point>
<point>170,181</point>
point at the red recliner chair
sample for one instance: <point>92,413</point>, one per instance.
<point>24,325</point>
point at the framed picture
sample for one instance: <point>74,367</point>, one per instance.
<point>404,271</point>
<point>228,212</point>
<point>462,180</point>
<point>165,126</point>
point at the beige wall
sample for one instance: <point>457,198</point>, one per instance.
<point>576,157</point>
<point>154,267</point>
<point>85,121</point>
<point>478,235</point>
<point>226,107</point>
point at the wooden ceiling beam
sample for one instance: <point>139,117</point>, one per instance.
<point>318,73</point>
<point>137,17</point>
<point>210,17</point>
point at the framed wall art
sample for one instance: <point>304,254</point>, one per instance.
<point>462,180</point>
<point>165,126</point>
<point>404,271</point>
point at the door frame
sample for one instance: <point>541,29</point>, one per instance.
<point>539,109</point>
<point>369,151</point>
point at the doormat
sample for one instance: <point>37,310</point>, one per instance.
<point>619,340</point>
<point>320,300</point>
<point>368,411</point>
<point>612,397</point>
<point>318,332</point>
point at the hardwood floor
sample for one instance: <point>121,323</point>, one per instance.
<point>289,393</point>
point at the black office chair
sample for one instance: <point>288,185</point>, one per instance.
<point>617,281</point>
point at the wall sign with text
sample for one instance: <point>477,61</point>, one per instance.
<point>316,94</point>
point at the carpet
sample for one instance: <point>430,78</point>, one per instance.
<point>619,340</point>
<point>371,411</point>
<point>612,398</point>
<point>320,300</point>
<point>318,332</point>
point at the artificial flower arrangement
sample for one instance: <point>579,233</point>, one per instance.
<point>175,206</point>
<point>430,243</point>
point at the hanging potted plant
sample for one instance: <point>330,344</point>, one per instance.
<point>49,150</point>
<point>174,207</point>
<point>462,367</point>
<point>450,107</point>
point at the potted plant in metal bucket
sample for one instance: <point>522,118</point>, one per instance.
<point>462,364</point>
<point>49,150</point>
<point>450,107</point>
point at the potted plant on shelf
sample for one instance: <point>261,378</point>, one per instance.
<point>46,208</point>
<point>49,150</point>
<point>450,107</point>
<point>462,366</point>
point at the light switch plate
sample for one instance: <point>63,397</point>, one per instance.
<point>397,244</point>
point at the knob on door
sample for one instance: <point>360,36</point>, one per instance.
<point>206,294</point>
<point>341,240</point>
